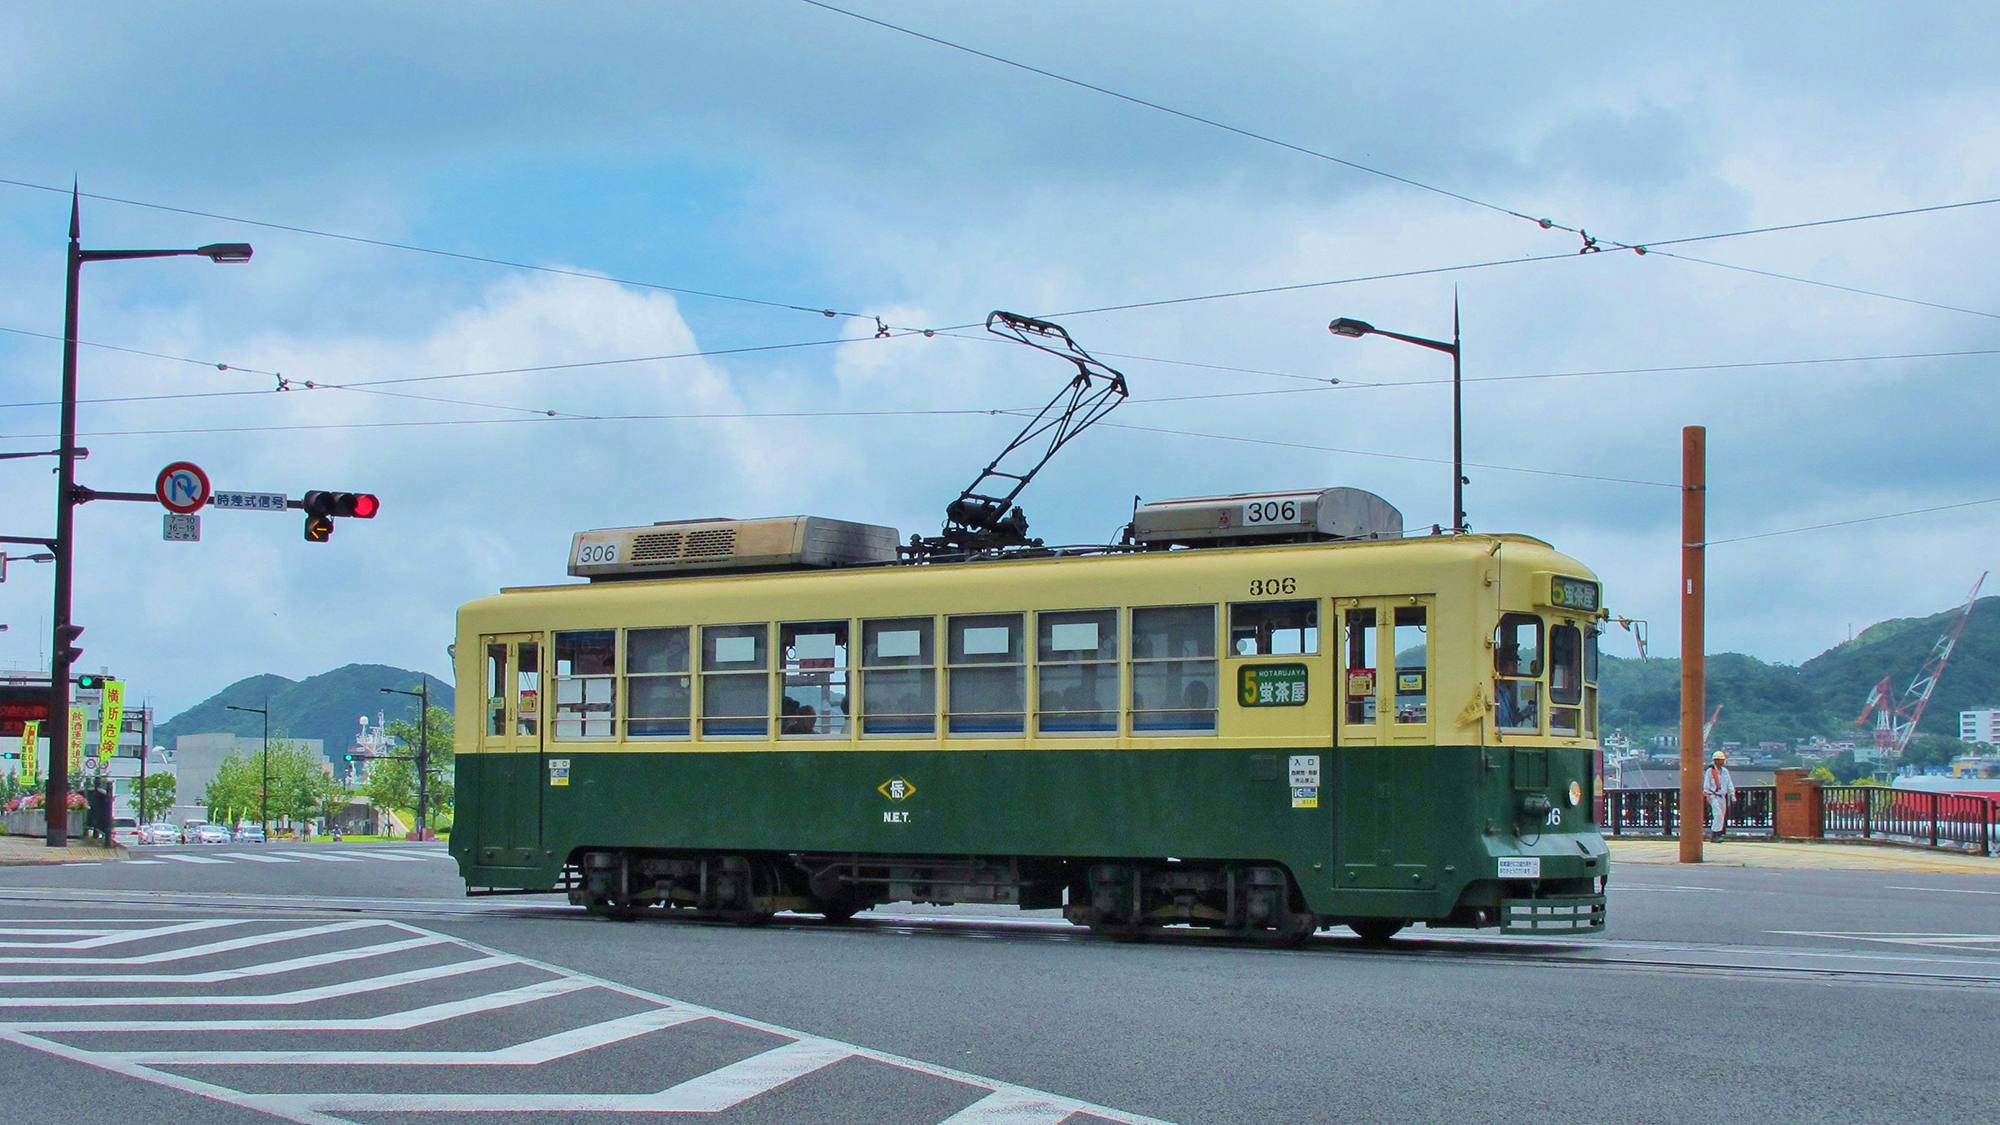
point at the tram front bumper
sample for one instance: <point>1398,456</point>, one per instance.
<point>1553,914</point>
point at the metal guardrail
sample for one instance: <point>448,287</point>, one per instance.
<point>1656,812</point>
<point>1954,821</point>
<point>1933,820</point>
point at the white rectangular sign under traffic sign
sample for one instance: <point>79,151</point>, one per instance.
<point>177,528</point>
<point>250,501</point>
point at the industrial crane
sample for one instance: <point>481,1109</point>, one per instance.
<point>1896,722</point>
<point>985,518</point>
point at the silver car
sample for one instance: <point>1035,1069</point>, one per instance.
<point>159,832</point>
<point>191,831</point>
<point>249,833</point>
<point>211,834</point>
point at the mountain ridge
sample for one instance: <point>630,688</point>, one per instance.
<point>326,706</point>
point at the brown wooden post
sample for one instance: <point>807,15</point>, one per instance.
<point>1694,537</point>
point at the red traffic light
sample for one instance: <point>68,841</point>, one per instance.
<point>360,505</point>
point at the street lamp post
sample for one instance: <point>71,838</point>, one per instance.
<point>423,697</point>
<point>264,789</point>
<point>1358,328</point>
<point>68,496</point>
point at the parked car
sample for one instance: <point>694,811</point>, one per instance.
<point>160,832</point>
<point>211,834</point>
<point>191,831</point>
<point>249,833</point>
<point>125,831</point>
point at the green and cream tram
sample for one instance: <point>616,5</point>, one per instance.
<point>1266,714</point>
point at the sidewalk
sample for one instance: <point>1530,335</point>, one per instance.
<point>1810,854</point>
<point>31,851</point>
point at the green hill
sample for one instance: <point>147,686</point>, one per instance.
<point>326,706</point>
<point>1781,703</point>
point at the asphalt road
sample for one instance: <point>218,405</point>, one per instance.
<point>308,983</point>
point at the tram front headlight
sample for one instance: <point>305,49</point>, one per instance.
<point>1575,793</point>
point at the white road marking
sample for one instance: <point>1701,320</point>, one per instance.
<point>800,1055</point>
<point>1012,1109</point>
<point>191,951</point>
<point>271,969</point>
<point>112,937</point>
<point>254,858</point>
<point>391,856</point>
<point>322,857</point>
<point>1944,890</point>
<point>194,859</point>
<point>261,1000</point>
<point>534,1052</point>
<point>1942,941</point>
<point>394,1021</point>
<point>144,862</point>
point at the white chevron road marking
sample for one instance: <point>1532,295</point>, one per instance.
<point>725,1088</point>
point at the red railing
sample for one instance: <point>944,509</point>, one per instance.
<point>1961,821</point>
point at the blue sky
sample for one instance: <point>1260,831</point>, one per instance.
<point>778,151</point>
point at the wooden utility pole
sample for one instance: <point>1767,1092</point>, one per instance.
<point>1694,538</point>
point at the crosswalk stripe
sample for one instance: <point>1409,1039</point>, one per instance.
<point>259,858</point>
<point>143,862</point>
<point>272,968</point>
<point>1010,1107</point>
<point>229,945</point>
<point>265,999</point>
<point>195,859</point>
<point>322,857</point>
<point>532,1053</point>
<point>382,855</point>
<point>395,1021</point>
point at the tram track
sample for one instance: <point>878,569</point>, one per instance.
<point>1795,963</point>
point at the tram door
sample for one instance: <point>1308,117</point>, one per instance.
<point>1388,784</point>
<point>510,752</point>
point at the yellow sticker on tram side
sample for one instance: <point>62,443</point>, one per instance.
<point>1305,797</point>
<point>558,771</point>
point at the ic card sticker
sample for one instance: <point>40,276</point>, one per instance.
<point>558,771</point>
<point>1305,796</point>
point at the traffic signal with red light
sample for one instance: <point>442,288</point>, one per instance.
<point>66,650</point>
<point>321,507</point>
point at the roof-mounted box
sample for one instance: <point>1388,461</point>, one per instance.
<point>1267,517</point>
<point>779,543</point>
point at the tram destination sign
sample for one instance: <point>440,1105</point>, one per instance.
<point>1271,685</point>
<point>251,501</point>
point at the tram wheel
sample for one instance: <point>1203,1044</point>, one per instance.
<point>607,909</point>
<point>1376,931</point>
<point>841,909</point>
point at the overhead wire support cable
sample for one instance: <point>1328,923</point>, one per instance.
<point>388,244</point>
<point>1849,523</point>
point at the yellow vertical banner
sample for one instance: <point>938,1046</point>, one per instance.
<point>111,723</point>
<point>31,731</point>
<point>75,741</point>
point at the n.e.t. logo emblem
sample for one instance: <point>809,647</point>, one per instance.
<point>897,790</point>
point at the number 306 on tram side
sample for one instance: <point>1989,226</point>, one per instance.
<point>1262,714</point>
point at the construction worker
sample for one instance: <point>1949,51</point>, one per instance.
<point>1720,789</point>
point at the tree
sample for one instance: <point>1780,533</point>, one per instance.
<point>391,785</point>
<point>301,785</point>
<point>443,757</point>
<point>1933,750</point>
<point>232,793</point>
<point>1822,775</point>
<point>156,795</point>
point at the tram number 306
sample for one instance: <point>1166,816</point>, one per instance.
<point>1271,511</point>
<point>597,553</point>
<point>1259,587</point>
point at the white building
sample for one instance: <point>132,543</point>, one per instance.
<point>1981,724</point>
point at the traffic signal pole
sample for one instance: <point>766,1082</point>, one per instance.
<point>56,803</point>
<point>423,755</point>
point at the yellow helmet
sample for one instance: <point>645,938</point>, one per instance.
<point>1719,755</point>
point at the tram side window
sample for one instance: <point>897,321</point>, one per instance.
<point>658,690</point>
<point>1173,669</point>
<point>1590,636</point>
<point>1274,628</point>
<point>1517,668</point>
<point>496,691</point>
<point>987,691</point>
<point>1363,659</point>
<point>899,676</point>
<point>1076,654</point>
<point>735,681</point>
<point>814,702</point>
<point>1565,679</point>
<point>527,688</point>
<point>586,662</point>
<point>1412,646</point>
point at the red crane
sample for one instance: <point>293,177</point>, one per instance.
<point>1896,722</point>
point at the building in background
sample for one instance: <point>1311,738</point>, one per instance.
<point>198,758</point>
<point>1981,724</point>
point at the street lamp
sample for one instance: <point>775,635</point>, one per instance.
<point>423,697</point>
<point>67,498</point>
<point>1355,329</point>
<point>263,790</point>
